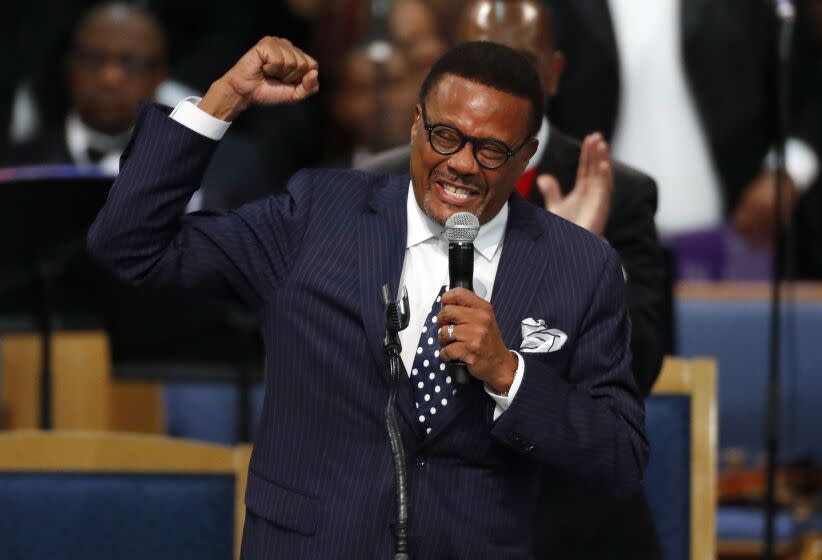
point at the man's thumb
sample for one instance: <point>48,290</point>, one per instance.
<point>550,190</point>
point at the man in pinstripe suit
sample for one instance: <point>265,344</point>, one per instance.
<point>545,337</point>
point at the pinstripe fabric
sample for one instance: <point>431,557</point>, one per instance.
<point>312,262</point>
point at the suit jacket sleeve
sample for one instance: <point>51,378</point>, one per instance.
<point>142,236</point>
<point>631,231</point>
<point>586,426</point>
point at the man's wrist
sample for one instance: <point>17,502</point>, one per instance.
<point>222,101</point>
<point>502,384</point>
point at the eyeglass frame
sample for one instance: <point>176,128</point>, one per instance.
<point>465,138</point>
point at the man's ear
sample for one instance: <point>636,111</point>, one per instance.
<point>416,124</point>
<point>529,150</point>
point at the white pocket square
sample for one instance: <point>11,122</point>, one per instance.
<point>538,338</point>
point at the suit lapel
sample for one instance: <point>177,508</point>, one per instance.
<point>520,265</point>
<point>381,250</point>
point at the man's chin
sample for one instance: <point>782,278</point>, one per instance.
<point>110,124</point>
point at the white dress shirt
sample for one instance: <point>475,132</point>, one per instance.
<point>425,271</point>
<point>425,267</point>
<point>659,129</point>
<point>79,138</point>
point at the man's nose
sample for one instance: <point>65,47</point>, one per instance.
<point>111,73</point>
<point>463,162</point>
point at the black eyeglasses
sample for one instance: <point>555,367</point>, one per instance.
<point>447,140</point>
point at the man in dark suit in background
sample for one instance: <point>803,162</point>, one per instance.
<point>118,58</point>
<point>551,388</point>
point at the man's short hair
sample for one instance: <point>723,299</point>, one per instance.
<point>495,66</point>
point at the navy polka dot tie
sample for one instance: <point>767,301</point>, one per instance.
<point>433,387</point>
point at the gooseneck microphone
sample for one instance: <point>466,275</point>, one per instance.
<point>397,315</point>
<point>461,229</point>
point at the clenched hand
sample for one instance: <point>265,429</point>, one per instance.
<point>273,72</point>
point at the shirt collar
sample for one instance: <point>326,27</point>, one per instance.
<point>80,137</point>
<point>543,135</point>
<point>422,228</point>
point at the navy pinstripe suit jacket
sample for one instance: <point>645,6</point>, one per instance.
<point>321,481</point>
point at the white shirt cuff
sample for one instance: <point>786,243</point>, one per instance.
<point>504,401</point>
<point>189,115</point>
<point>801,163</point>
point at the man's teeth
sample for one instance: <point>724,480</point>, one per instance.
<point>456,191</point>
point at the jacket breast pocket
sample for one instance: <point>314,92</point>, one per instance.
<point>556,362</point>
<point>281,506</point>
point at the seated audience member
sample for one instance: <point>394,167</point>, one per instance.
<point>118,59</point>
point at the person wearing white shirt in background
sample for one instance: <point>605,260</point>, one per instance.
<point>684,89</point>
<point>117,58</point>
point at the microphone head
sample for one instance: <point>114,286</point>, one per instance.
<point>462,227</point>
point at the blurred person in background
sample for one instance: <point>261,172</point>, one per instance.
<point>118,58</point>
<point>412,26</point>
<point>374,88</point>
<point>686,90</point>
<point>373,99</point>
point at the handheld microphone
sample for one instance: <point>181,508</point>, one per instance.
<point>461,229</point>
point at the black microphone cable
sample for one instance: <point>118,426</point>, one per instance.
<point>396,319</point>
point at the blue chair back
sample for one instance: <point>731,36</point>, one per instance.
<point>124,516</point>
<point>736,332</point>
<point>103,495</point>
<point>680,480</point>
<point>208,411</point>
<point>668,476</point>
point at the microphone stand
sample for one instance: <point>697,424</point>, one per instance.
<point>397,315</point>
<point>786,16</point>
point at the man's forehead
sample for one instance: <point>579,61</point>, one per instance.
<point>130,29</point>
<point>477,109</point>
